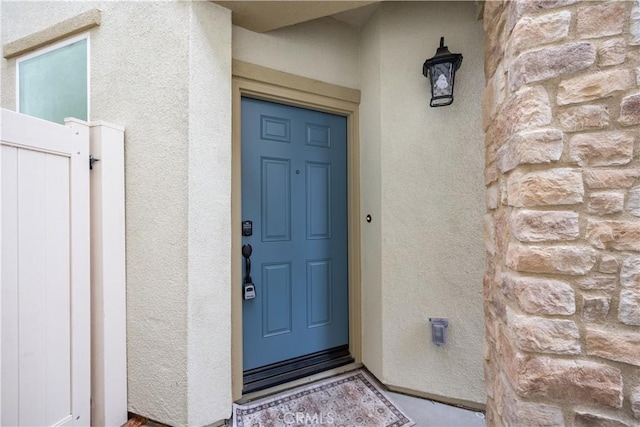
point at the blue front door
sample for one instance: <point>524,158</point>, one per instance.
<point>294,176</point>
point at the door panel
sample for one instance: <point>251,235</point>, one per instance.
<point>318,197</point>
<point>276,199</point>
<point>294,176</point>
<point>319,293</point>
<point>276,305</point>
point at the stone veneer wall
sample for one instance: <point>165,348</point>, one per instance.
<point>562,291</point>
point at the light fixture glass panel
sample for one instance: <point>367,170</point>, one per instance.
<point>442,79</point>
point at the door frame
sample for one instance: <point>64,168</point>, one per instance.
<point>271,85</point>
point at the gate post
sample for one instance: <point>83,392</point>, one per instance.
<point>108,279</point>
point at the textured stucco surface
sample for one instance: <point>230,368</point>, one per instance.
<point>175,119</point>
<point>324,49</point>
<point>163,71</point>
<point>431,201</point>
<point>209,319</point>
<point>421,180</point>
<point>370,194</point>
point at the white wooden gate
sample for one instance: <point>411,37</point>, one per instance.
<point>44,266</point>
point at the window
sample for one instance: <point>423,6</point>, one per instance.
<point>52,83</point>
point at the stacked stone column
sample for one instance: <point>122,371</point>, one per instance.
<point>561,113</point>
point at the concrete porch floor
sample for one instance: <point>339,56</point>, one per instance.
<point>424,412</point>
<point>427,413</point>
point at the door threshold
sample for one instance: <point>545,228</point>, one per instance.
<point>331,372</point>
<point>292,369</point>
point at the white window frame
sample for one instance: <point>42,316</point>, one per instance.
<point>51,48</point>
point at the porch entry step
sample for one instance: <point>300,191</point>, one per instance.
<point>293,369</point>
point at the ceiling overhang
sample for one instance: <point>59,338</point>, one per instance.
<point>262,16</point>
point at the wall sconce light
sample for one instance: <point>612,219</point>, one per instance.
<point>441,72</point>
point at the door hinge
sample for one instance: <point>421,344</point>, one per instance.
<point>92,160</point>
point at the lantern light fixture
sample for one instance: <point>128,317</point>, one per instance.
<point>441,72</point>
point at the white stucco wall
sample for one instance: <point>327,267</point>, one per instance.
<point>421,180</point>
<point>431,169</point>
<point>323,49</point>
<point>163,71</point>
<point>370,193</point>
<point>209,267</point>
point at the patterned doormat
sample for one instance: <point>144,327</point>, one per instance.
<point>350,400</point>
